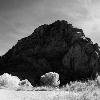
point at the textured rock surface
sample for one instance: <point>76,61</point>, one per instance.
<point>58,47</point>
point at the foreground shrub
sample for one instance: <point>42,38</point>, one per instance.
<point>8,81</point>
<point>79,86</point>
<point>98,79</point>
<point>25,83</point>
<point>50,79</point>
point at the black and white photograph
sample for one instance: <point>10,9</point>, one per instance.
<point>49,49</point>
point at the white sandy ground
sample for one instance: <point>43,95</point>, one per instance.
<point>6,94</point>
<point>36,95</point>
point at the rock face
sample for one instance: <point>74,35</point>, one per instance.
<point>58,47</point>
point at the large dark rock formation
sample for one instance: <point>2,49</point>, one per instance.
<point>58,47</point>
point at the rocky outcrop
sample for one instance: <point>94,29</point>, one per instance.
<point>58,47</point>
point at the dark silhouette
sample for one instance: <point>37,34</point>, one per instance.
<point>58,47</point>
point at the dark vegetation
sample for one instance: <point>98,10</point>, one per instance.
<point>58,47</point>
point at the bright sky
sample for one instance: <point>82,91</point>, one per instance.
<point>18,18</point>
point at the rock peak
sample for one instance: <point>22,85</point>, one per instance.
<point>57,47</point>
